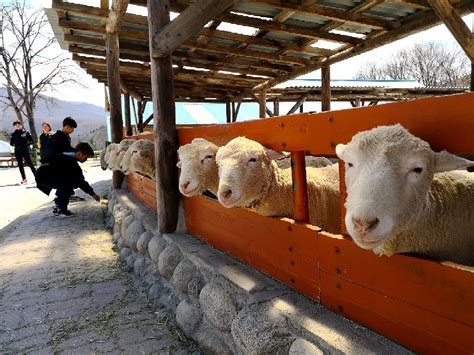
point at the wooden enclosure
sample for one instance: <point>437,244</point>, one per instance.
<point>424,305</point>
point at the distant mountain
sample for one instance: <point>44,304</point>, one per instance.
<point>89,117</point>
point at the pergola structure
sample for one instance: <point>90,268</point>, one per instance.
<point>194,57</point>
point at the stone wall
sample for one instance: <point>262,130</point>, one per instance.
<point>226,306</point>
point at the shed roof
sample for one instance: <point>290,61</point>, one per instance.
<point>279,40</point>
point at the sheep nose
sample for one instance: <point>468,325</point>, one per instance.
<point>363,225</point>
<point>226,194</point>
<point>184,186</point>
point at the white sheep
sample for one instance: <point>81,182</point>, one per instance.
<point>402,197</point>
<point>249,177</point>
<point>106,154</point>
<point>139,158</point>
<point>198,169</point>
<point>116,156</point>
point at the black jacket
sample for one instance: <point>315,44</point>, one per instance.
<point>46,146</point>
<point>62,143</point>
<point>21,139</point>
<point>63,170</point>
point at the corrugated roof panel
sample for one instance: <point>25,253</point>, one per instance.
<point>308,21</point>
<point>355,28</point>
<point>255,47</point>
<point>391,10</point>
<point>256,9</point>
<point>338,4</point>
<point>316,83</point>
<point>279,36</point>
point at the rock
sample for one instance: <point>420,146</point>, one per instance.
<point>130,262</point>
<point>303,347</point>
<point>139,266</point>
<point>133,232</point>
<point>155,246</point>
<point>210,341</point>
<point>261,328</point>
<point>195,286</point>
<point>120,243</point>
<point>125,223</point>
<point>116,236</point>
<point>188,316</point>
<point>168,260</point>
<point>184,272</point>
<point>142,243</point>
<point>124,253</point>
<point>110,221</point>
<point>217,305</point>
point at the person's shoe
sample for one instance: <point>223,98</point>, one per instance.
<point>24,182</point>
<point>76,198</point>
<point>64,213</point>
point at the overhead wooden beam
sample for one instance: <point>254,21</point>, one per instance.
<point>298,103</point>
<point>187,24</point>
<point>164,131</point>
<point>455,24</point>
<point>119,8</point>
<point>325,88</point>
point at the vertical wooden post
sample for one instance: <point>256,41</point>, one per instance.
<point>472,76</point>
<point>228,112</point>
<point>140,108</point>
<point>113,82</point>
<point>300,188</point>
<point>262,104</point>
<point>276,107</point>
<point>342,195</point>
<point>325,88</point>
<point>166,142</point>
<point>128,117</point>
<point>302,108</point>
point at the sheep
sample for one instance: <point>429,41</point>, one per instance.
<point>249,177</point>
<point>310,161</point>
<point>139,158</point>
<point>402,197</point>
<point>197,162</point>
<point>115,159</point>
<point>105,155</point>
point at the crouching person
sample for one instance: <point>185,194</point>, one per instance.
<point>64,174</point>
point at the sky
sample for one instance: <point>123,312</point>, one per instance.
<point>93,92</point>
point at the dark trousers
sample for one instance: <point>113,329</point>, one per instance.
<point>64,190</point>
<point>21,154</point>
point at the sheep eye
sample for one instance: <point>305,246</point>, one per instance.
<point>418,170</point>
<point>252,160</point>
<point>208,157</point>
<point>135,151</point>
<point>350,165</point>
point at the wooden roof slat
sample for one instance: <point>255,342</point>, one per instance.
<point>330,13</point>
<point>416,4</point>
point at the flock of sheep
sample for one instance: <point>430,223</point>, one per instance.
<point>402,197</point>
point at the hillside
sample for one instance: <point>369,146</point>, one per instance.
<point>89,117</point>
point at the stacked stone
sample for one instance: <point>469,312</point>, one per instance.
<point>224,305</point>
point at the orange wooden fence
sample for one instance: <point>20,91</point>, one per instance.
<point>424,305</point>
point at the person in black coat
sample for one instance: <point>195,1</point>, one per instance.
<point>45,143</point>
<point>61,139</point>
<point>21,140</point>
<point>64,174</point>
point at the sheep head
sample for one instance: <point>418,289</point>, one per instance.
<point>197,162</point>
<point>139,158</point>
<point>245,172</point>
<point>110,156</point>
<point>388,173</point>
<point>122,148</point>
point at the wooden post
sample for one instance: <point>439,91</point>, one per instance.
<point>236,112</point>
<point>166,140</point>
<point>326,88</point>
<point>276,107</point>
<point>262,104</point>
<point>300,188</point>
<point>128,116</point>
<point>228,112</point>
<point>113,82</point>
<point>472,76</point>
<point>302,108</point>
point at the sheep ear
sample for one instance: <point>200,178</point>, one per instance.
<point>178,164</point>
<point>340,149</point>
<point>273,154</point>
<point>445,161</point>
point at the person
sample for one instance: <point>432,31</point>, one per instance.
<point>45,143</point>
<point>62,138</point>
<point>64,174</point>
<point>21,140</point>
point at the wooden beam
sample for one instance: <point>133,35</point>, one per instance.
<point>128,116</point>
<point>276,107</point>
<point>326,88</point>
<point>455,24</point>
<point>104,4</point>
<point>236,112</point>
<point>140,109</point>
<point>298,103</point>
<point>331,13</point>
<point>186,25</point>
<point>148,120</point>
<point>119,8</point>
<point>165,135</point>
<point>267,110</point>
<point>228,112</point>
<point>262,104</point>
<point>113,82</point>
<point>300,187</point>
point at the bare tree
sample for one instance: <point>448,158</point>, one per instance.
<point>28,65</point>
<point>430,63</point>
